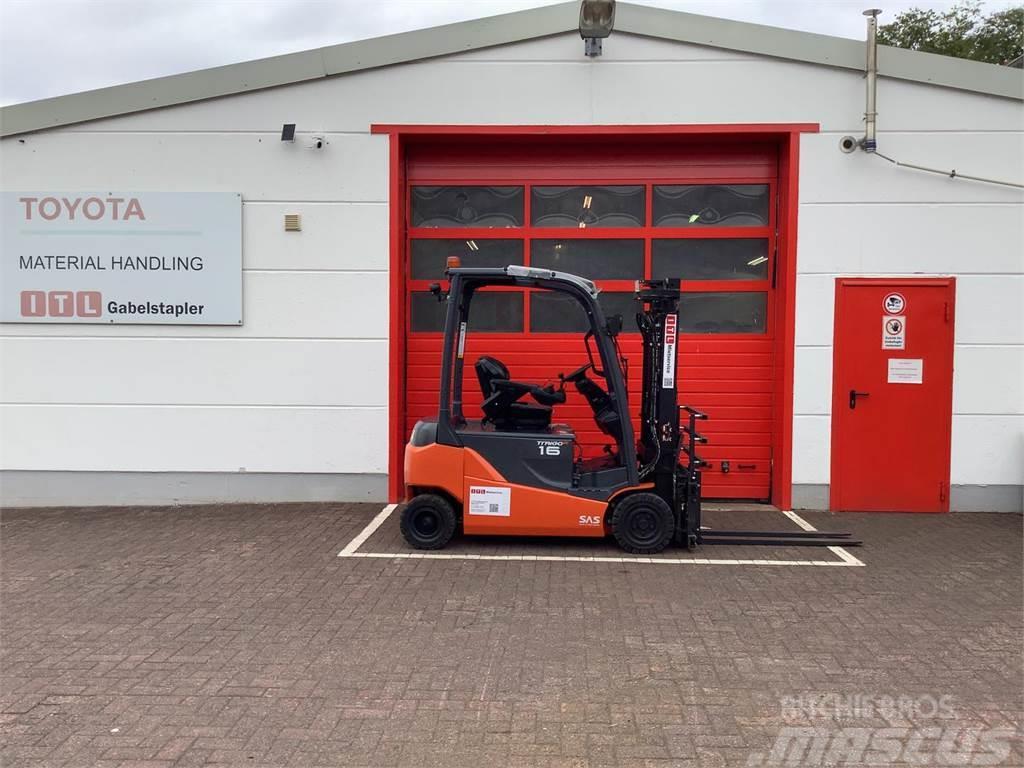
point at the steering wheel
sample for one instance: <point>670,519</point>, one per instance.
<point>575,375</point>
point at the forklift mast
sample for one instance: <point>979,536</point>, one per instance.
<point>661,443</point>
<point>659,418</point>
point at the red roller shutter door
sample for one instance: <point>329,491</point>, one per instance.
<point>704,213</point>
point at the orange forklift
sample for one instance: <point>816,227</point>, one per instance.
<point>515,473</point>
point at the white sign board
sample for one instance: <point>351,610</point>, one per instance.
<point>490,501</point>
<point>172,258</point>
<point>905,371</point>
<point>894,332</point>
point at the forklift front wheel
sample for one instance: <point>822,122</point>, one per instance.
<point>642,524</point>
<point>428,522</point>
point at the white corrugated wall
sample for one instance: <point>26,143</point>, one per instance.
<point>302,386</point>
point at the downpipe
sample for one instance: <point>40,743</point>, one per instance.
<point>868,143</point>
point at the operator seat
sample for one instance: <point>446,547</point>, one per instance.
<point>501,404</point>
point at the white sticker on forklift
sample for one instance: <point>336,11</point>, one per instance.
<point>485,500</point>
<point>668,365</point>
<point>894,332</point>
<point>462,339</point>
<point>906,370</point>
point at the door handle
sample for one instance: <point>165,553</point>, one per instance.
<point>854,394</point>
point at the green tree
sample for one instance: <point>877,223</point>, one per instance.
<point>962,31</point>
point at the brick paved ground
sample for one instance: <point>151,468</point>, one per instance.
<point>235,636</point>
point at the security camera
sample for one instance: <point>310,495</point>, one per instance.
<point>317,142</point>
<point>848,144</point>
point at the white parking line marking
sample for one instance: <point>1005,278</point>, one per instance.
<point>798,520</point>
<point>839,552</point>
<point>846,556</point>
<point>846,560</point>
<point>367,532</point>
<point>583,559</point>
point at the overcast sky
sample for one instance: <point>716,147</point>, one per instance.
<point>52,47</point>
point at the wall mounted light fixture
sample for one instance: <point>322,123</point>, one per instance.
<point>597,18</point>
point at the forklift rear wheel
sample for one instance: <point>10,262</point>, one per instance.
<point>428,522</point>
<point>642,524</point>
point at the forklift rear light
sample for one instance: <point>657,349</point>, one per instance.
<point>454,262</point>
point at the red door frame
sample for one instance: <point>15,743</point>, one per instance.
<point>838,401</point>
<point>787,137</point>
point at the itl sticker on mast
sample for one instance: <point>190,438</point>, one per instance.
<point>668,365</point>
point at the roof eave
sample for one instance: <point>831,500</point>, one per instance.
<point>492,31</point>
<point>287,69</point>
<point>812,48</point>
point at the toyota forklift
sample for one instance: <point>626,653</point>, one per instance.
<point>515,473</point>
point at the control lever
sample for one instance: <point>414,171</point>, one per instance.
<point>548,395</point>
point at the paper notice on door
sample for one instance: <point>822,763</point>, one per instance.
<point>906,371</point>
<point>486,500</point>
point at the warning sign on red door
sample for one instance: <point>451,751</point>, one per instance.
<point>894,303</point>
<point>894,332</point>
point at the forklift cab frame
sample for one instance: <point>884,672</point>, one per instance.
<point>511,450</point>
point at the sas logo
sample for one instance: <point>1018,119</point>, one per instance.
<point>479,491</point>
<point>590,520</point>
<point>61,304</point>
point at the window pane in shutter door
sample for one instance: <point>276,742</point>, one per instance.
<point>711,205</point>
<point>582,207</point>
<point>467,206</point>
<point>710,259</point>
<point>496,312</point>
<point>621,303</point>
<point>426,313</point>
<point>723,312</point>
<point>552,312</point>
<point>489,312</point>
<point>429,257</point>
<point>592,259</point>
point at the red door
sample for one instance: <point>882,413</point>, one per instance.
<point>892,394</point>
